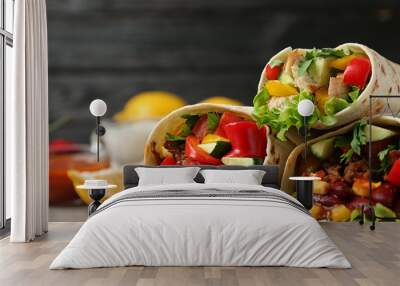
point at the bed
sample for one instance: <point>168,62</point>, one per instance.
<point>198,224</point>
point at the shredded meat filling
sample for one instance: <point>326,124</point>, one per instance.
<point>337,87</point>
<point>355,170</point>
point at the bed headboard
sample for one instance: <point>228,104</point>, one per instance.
<point>271,177</point>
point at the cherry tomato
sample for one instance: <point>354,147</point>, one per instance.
<point>357,72</point>
<point>272,72</point>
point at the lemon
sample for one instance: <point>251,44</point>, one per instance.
<point>149,105</point>
<point>222,100</point>
<point>112,175</point>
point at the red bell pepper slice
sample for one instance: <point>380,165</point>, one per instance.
<point>169,160</point>
<point>247,139</point>
<point>226,118</point>
<point>190,162</point>
<point>357,72</point>
<point>200,129</point>
<point>393,176</point>
<point>272,72</point>
<point>195,153</point>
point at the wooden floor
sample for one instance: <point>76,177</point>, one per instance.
<point>375,257</point>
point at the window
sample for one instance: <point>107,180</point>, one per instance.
<point>6,62</point>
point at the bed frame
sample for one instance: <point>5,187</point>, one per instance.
<point>271,177</point>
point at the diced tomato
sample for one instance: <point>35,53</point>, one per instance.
<point>357,72</point>
<point>169,160</point>
<point>226,118</point>
<point>272,72</point>
<point>200,129</point>
<point>195,153</point>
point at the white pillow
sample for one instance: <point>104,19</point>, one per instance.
<point>248,177</point>
<point>164,176</point>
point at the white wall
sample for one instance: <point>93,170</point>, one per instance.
<point>8,90</point>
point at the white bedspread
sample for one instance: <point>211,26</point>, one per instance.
<point>223,231</point>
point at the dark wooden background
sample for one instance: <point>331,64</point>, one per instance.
<point>197,49</point>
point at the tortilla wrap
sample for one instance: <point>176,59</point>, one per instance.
<point>277,151</point>
<point>290,168</point>
<point>385,80</point>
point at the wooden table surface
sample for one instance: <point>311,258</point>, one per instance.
<point>375,257</point>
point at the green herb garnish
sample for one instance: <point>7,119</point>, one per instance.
<point>325,53</point>
<point>311,55</point>
<point>191,119</point>
<point>345,157</point>
<point>359,139</point>
<point>384,158</point>
<point>174,138</point>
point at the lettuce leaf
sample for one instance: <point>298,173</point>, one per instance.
<point>281,120</point>
<point>328,120</point>
<point>354,93</point>
<point>334,105</point>
<point>304,65</point>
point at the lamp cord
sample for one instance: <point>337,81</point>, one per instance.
<point>98,138</point>
<point>305,137</point>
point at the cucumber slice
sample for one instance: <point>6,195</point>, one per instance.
<point>286,78</point>
<point>323,149</point>
<point>378,133</point>
<point>241,161</point>
<point>217,149</point>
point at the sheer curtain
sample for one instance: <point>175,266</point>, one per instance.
<point>27,124</point>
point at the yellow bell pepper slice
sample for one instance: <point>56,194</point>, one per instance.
<point>277,88</point>
<point>321,97</point>
<point>342,63</point>
<point>212,138</point>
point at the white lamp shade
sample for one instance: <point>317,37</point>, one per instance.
<point>305,107</point>
<point>98,107</point>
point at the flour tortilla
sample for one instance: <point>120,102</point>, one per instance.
<point>290,168</point>
<point>277,151</point>
<point>385,80</point>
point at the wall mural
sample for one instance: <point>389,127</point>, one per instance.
<point>164,95</point>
